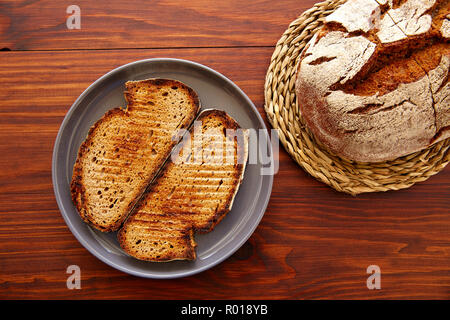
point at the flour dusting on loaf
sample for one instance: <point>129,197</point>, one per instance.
<point>357,16</point>
<point>445,28</point>
<point>372,84</point>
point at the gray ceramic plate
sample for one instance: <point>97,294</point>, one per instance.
<point>214,90</point>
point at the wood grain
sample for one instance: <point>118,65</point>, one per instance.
<point>41,25</point>
<point>313,242</point>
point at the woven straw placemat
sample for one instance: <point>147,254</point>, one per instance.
<point>283,113</point>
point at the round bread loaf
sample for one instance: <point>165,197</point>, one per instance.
<point>373,83</point>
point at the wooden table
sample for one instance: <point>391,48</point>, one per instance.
<point>313,242</point>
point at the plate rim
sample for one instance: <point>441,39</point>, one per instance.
<point>57,189</point>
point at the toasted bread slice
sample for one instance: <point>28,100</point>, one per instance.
<point>125,149</point>
<point>197,188</point>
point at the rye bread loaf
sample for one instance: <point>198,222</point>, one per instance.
<point>372,84</point>
<point>125,149</point>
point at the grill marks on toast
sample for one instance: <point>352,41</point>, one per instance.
<point>125,149</point>
<point>161,236</point>
<point>193,192</point>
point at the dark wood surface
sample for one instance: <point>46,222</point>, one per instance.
<point>313,242</point>
<point>38,25</point>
